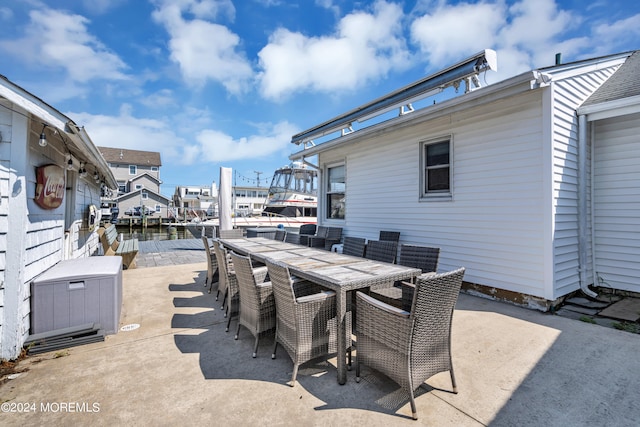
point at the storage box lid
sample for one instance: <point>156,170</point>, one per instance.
<point>82,268</point>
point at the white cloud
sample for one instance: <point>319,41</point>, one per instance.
<point>525,34</point>
<point>216,146</point>
<point>450,32</point>
<point>617,33</point>
<point>366,46</point>
<point>205,145</point>
<point>203,50</point>
<point>57,39</point>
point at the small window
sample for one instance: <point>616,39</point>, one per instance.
<point>436,168</point>
<point>154,169</point>
<point>122,188</point>
<point>133,170</point>
<point>139,186</point>
<point>336,187</point>
<point>145,195</point>
<point>158,208</point>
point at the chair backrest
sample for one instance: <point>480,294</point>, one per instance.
<point>308,229</point>
<point>223,266</point>
<point>322,231</point>
<point>207,251</point>
<point>381,250</point>
<point>292,238</point>
<point>432,310</point>
<point>354,246</point>
<point>334,233</point>
<point>280,235</point>
<point>246,281</point>
<point>393,236</point>
<point>422,257</point>
<point>284,296</point>
<point>230,234</point>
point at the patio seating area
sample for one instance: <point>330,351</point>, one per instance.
<point>513,366</point>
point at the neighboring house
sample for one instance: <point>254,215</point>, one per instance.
<point>156,202</point>
<point>196,199</point>
<point>531,183</point>
<point>45,212</point>
<point>135,170</point>
<point>249,201</point>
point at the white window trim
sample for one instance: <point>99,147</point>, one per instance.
<point>325,192</point>
<point>135,169</point>
<point>435,196</point>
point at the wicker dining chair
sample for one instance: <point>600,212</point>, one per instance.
<point>212,265</point>
<point>292,238</point>
<point>321,232</point>
<point>332,236</point>
<point>231,296</point>
<point>400,294</point>
<point>410,347</point>
<point>280,235</point>
<point>257,310</point>
<point>306,324</point>
<point>354,246</point>
<point>226,274</point>
<point>381,250</point>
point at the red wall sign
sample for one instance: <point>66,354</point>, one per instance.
<point>49,186</point>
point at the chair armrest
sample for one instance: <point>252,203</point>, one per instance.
<point>382,306</point>
<point>316,297</point>
<point>260,273</point>
<point>265,290</point>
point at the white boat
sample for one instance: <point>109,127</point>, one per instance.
<point>293,193</point>
<point>292,201</point>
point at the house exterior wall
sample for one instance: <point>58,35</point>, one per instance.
<point>494,224</point>
<point>146,182</point>
<point>33,239</point>
<point>121,171</point>
<point>616,196</point>
<point>566,96</point>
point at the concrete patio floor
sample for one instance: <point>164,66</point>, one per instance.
<point>514,367</point>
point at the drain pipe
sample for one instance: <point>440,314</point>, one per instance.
<point>582,205</point>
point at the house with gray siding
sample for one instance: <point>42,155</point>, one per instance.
<point>138,176</point>
<point>51,179</point>
<point>530,183</point>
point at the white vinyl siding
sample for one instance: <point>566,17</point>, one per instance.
<point>493,224</point>
<point>569,94</point>
<point>617,202</point>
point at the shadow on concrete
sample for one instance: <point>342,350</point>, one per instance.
<point>224,358</point>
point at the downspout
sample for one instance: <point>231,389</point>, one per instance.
<point>582,206</point>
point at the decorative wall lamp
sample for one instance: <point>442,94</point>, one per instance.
<point>43,138</point>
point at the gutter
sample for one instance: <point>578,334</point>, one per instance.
<point>582,205</point>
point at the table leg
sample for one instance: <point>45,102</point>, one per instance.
<point>341,308</point>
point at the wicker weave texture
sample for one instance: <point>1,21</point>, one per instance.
<point>306,317</point>
<point>423,257</point>
<point>354,246</point>
<point>392,236</point>
<point>257,309</point>
<point>381,250</point>
<point>326,237</point>
<point>280,235</point>
<point>410,348</point>
<point>212,264</point>
<point>227,276</point>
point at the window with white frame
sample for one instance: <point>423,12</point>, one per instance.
<point>145,195</point>
<point>139,186</point>
<point>336,186</point>
<point>436,168</point>
<point>133,170</point>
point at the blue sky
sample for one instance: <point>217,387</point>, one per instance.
<point>211,83</point>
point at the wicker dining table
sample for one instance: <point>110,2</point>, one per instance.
<point>337,272</point>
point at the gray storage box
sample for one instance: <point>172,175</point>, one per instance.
<point>76,292</point>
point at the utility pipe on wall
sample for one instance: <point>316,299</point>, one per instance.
<point>582,205</point>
